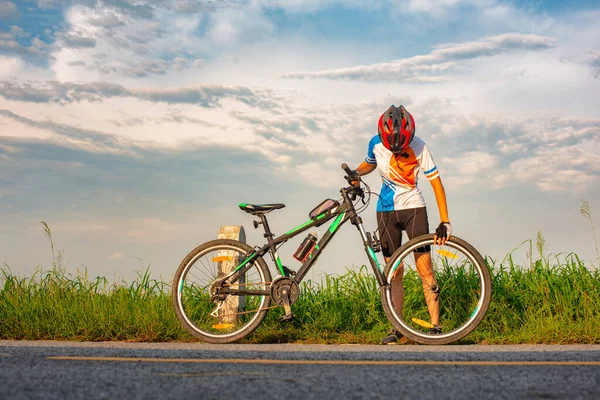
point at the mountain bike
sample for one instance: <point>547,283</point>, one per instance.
<point>223,288</point>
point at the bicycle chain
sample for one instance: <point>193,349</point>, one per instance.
<point>248,312</point>
<point>253,311</point>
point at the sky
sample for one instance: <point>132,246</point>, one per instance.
<point>134,128</point>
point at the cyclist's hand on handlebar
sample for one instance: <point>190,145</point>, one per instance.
<point>353,176</point>
<point>442,233</point>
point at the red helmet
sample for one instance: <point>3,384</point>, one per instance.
<point>396,128</point>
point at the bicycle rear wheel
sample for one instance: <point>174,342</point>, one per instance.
<point>463,290</point>
<point>228,317</point>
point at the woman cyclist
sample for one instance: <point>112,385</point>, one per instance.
<point>399,155</point>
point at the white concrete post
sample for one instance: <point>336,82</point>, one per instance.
<point>233,305</point>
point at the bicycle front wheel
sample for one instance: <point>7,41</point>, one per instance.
<point>436,297</point>
<point>208,312</point>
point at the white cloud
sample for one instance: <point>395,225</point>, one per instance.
<point>74,40</point>
<point>425,7</point>
<point>8,40</point>
<point>307,6</point>
<point>10,44</point>
<point>592,58</point>
<point>209,96</point>
<point>440,7</point>
<point>471,167</point>
<point>8,9</point>
<point>9,65</point>
<point>228,26</point>
<point>566,169</point>
<point>15,128</point>
<point>110,42</point>
<point>550,153</point>
<point>443,60</point>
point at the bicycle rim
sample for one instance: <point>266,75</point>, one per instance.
<point>229,319</point>
<point>463,291</point>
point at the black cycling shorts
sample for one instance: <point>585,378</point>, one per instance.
<point>391,224</point>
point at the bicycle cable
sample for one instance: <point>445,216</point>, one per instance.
<point>368,201</point>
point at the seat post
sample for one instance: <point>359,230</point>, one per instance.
<point>269,235</point>
<point>265,224</point>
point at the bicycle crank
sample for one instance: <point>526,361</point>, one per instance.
<point>285,292</point>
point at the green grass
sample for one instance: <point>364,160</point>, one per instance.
<point>54,305</point>
<point>545,302</point>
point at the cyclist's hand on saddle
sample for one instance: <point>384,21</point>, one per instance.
<point>442,233</point>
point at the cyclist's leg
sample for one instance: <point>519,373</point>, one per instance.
<point>417,225</point>
<point>398,288</point>
<point>390,232</point>
<point>430,288</point>
<point>390,235</point>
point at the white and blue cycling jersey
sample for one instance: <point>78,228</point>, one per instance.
<point>399,173</point>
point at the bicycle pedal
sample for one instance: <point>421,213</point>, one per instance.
<point>287,317</point>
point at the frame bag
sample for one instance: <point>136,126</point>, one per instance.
<point>324,208</point>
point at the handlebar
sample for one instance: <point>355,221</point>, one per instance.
<point>353,177</point>
<point>347,169</point>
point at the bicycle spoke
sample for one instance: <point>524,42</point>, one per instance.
<point>442,295</point>
<point>202,301</point>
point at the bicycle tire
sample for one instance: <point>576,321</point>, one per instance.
<point>191,293</point>
<point>464,291</point>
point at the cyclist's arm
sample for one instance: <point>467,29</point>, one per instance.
<point>440,198</point>
<point>365,168</point>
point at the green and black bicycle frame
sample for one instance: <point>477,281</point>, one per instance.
<point>340,215</point>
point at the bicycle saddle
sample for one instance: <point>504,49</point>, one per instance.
<point>256,209</point>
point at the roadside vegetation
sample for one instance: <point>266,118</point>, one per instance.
<point>553,300</point>
<point>547,302</point>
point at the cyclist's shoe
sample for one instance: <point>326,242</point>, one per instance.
<point>391,338</point>
<point>436,330</point>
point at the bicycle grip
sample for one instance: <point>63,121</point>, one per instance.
<point>345,168</point>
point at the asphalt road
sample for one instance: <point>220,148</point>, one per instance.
<point>67,370</point>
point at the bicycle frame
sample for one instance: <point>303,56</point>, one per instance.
<point>342,213</point>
